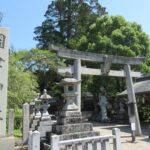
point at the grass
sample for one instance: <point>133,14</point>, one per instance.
<point>17,133</point>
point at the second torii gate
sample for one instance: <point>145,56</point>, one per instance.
<point>106,61</point>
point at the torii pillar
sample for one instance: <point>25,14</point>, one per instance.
<point>77,75</point>
<point>132,105</point>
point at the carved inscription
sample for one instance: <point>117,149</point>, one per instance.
<point>2,40</point>
<point>1,86</point>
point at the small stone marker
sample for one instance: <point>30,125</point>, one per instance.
<point>34,141</point>
<point>25,122</point>
<point>11,122</point>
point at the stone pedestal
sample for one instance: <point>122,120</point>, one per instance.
<point>43,126</point>
<point>71,125</point>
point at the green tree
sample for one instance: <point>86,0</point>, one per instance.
<point>67,19</point>
<point>114,36</point>
<point>44,65</point>
<point>21,84</point>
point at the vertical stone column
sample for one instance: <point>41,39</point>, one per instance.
<point>11,122</point>
<point>77,75</point>
<point>116,139</point>
<point>4,46</point>
<point>132,107</point>
<point>34,143</point>
<point>25,122</point>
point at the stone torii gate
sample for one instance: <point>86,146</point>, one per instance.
<point>106,61</point>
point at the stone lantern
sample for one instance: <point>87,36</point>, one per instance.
<point>69,93</point>
<point>37,107</point>
<point>44,101</point>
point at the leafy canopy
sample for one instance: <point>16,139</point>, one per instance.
<point>65,20</point>
<point>21,84</point>
<point>114,35</point>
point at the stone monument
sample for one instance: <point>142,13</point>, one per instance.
<point>103,103</point>
<point>5,142</point>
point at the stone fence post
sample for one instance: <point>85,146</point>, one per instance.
<point>55,142</point>
<point>10,122</point>
<point>25,122</point>
<point>117,139</point>
<point>34,140</point>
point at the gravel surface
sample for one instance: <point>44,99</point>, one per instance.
<point>141,143</point>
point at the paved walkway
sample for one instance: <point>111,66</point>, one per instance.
<point>141,143</point>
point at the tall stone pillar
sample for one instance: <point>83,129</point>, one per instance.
<point>26,122</point>
<point>4,48</point>
<point>77,75</point>
<point>132,105</point>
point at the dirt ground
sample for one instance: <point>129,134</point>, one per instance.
<point>141,143</point>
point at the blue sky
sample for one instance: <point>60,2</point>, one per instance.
<point>22,16</point>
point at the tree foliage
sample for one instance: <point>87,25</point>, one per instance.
<point>65,20</point>
<point>30,72</point>
<point>112,35</point>
<point>21,84</point>
<point>44,65</point>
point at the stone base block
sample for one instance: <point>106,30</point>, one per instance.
<point>70,114</point>
<point>35,121</point>
<point>37,117</point>
<point>72,128</point>
<point>79,135</point>
<point>70,120</point>
<point>43,134</point>
<point>7,143</point>
<point>33,126</point>
<point>46,123</point>
<point>44,128</point>
<point>45,117</point>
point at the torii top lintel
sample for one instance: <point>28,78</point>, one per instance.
<point>87,56</point>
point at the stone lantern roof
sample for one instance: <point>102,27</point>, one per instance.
<point>69,81</point>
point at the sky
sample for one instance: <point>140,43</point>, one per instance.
<point>22,16</point>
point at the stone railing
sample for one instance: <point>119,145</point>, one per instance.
<point>90,143</point>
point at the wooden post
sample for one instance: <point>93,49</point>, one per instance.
<point>117,139</point>
<point>132,107</point>
<point>55,142</point>
<point>77,75</point>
